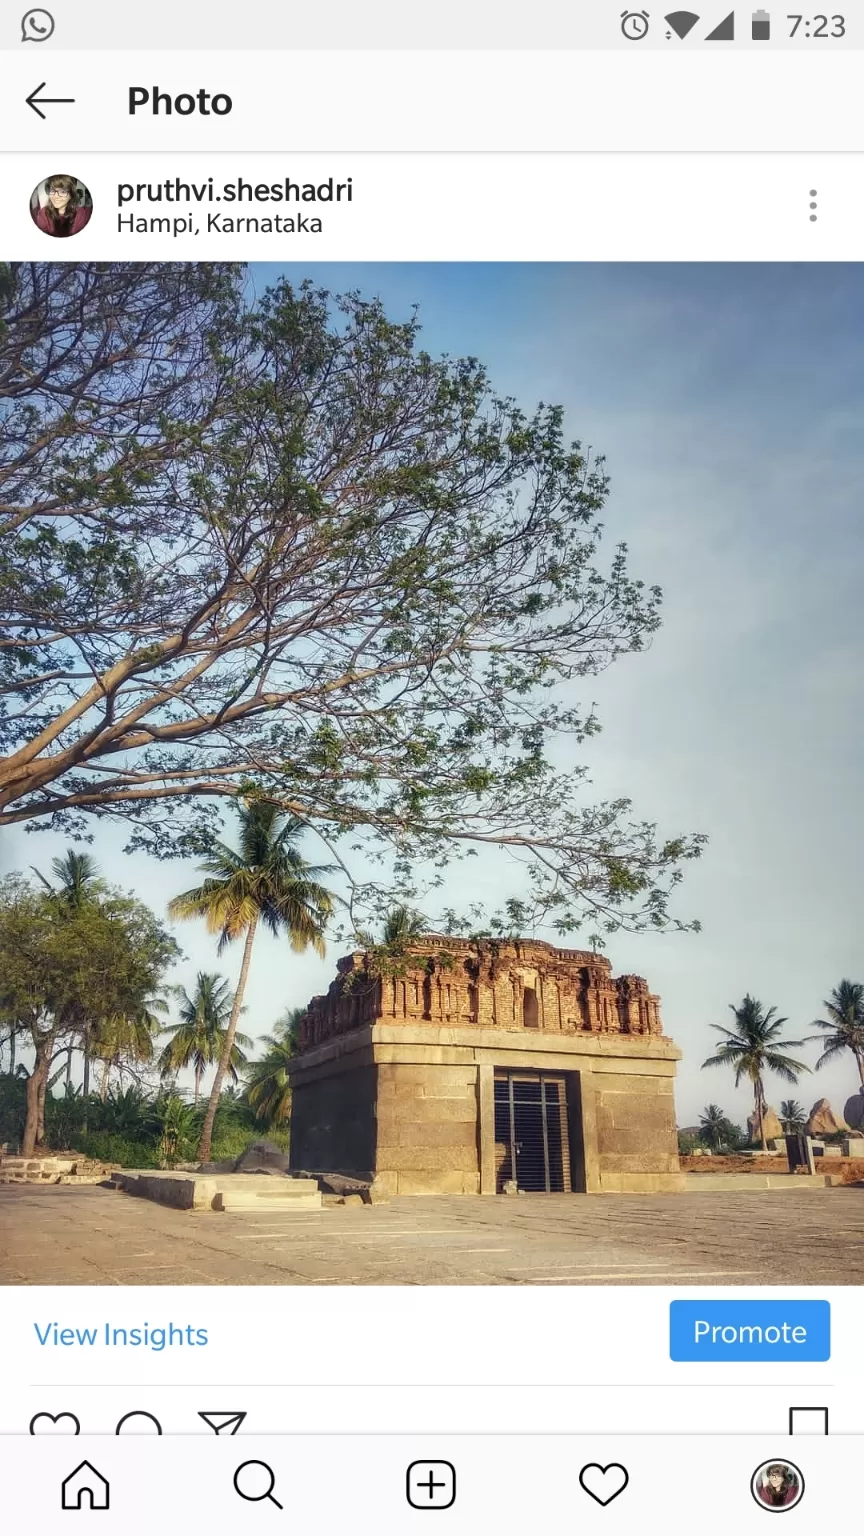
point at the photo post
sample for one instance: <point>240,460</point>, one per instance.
<point>431,988</point>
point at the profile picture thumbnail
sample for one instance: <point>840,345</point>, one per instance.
<point>777,1485</point>
<point>61,206</point>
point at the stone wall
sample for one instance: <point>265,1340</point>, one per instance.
<point>333,1122</point>
<point>427,1129</point>
<point>59,1168</point>
<point>636,1132</point>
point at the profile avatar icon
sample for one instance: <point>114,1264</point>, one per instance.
<point>777,1485</point>
<point>61,206</point>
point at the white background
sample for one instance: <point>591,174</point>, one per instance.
<point>470,207</point>
<point>331,1358</point>
<point>357,1483</point>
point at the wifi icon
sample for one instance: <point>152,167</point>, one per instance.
<point>681,22</point>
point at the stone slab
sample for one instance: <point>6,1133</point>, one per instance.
<point>705,1183</point>
<point>613,1183</point>
<point>194,1192</point>
<point>245,1200</point>
<point>387,1045</point>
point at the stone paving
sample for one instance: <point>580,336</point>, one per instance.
<point>94,1236</point>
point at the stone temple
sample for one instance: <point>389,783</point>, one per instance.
<point>471,1066</point>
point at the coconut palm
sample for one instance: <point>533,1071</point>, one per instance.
<point>401,924</point>
<point>198,1038</point>
<point>793,1116</point>
<point>268,1090</point>
<point>753,1048</point>
<point>266,881</point>
<point>713,1127</point>
<point>127,1037</point>
<point>77,875</point>
<point>843,1030</point>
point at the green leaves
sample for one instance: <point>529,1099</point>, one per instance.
<point>269,549</point>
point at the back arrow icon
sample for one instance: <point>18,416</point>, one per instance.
<point>46,101</point>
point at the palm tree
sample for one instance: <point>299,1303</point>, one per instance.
<point>713,1126</point>
<point>793,1116</point>
<point>200,1035</point>
<point>401,924</point>
<point>77,875</point>
<point>844,1025</point>
<point>753,1048</point>
<point>268,1090</point>
<point>127,1037</point>
<point>267,881</point>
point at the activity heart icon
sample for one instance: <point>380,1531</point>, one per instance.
<point>54,1424</point>
<point>604,1483</point>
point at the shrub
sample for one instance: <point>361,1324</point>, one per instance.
<point>118,1149</point>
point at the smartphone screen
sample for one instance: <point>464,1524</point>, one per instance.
<point>431,982</point>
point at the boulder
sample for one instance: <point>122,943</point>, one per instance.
<point>854,1111</point>
<point>771,1127</point>
<point>262,1157</point>
<point>823,1121</point>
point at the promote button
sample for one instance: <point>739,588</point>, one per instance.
<point>750,1330</point>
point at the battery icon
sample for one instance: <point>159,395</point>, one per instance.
<point>761,26</point>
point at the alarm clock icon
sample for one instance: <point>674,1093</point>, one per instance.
<point>634,25</point>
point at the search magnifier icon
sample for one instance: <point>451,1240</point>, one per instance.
<point>255,1481</point>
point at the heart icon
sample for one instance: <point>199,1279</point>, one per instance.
<point>604,1483</point>
<point>54,1424</point>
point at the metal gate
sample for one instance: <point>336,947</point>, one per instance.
<point>531,1132</point>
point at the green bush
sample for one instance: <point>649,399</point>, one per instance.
<point>118,1149</point>
<point>234,1140</point>
<point>134,1128</point>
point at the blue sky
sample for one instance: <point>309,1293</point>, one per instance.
<point>728,402</point>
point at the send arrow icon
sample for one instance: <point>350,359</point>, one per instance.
<point>223,1423</point>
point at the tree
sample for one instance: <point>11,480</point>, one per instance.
<point>793,1116</point>
<point>268,1088</point>
<point>77,877</point>
<point>716,1131</point>
<point>175,1125</point>
<point>125,1041</point>
<point>844,1026</point>
<point>270,545</point>
<point>199,1037</point>
<point>753,1048</point>
<point>267,881</point>
<point>402,924</point>
<point>62,967</point>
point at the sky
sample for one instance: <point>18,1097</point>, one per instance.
<point>728,401</point>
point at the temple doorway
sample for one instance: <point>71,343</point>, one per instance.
<point>531,1140</point>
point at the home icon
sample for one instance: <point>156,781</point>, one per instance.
<point>85,1488</point>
